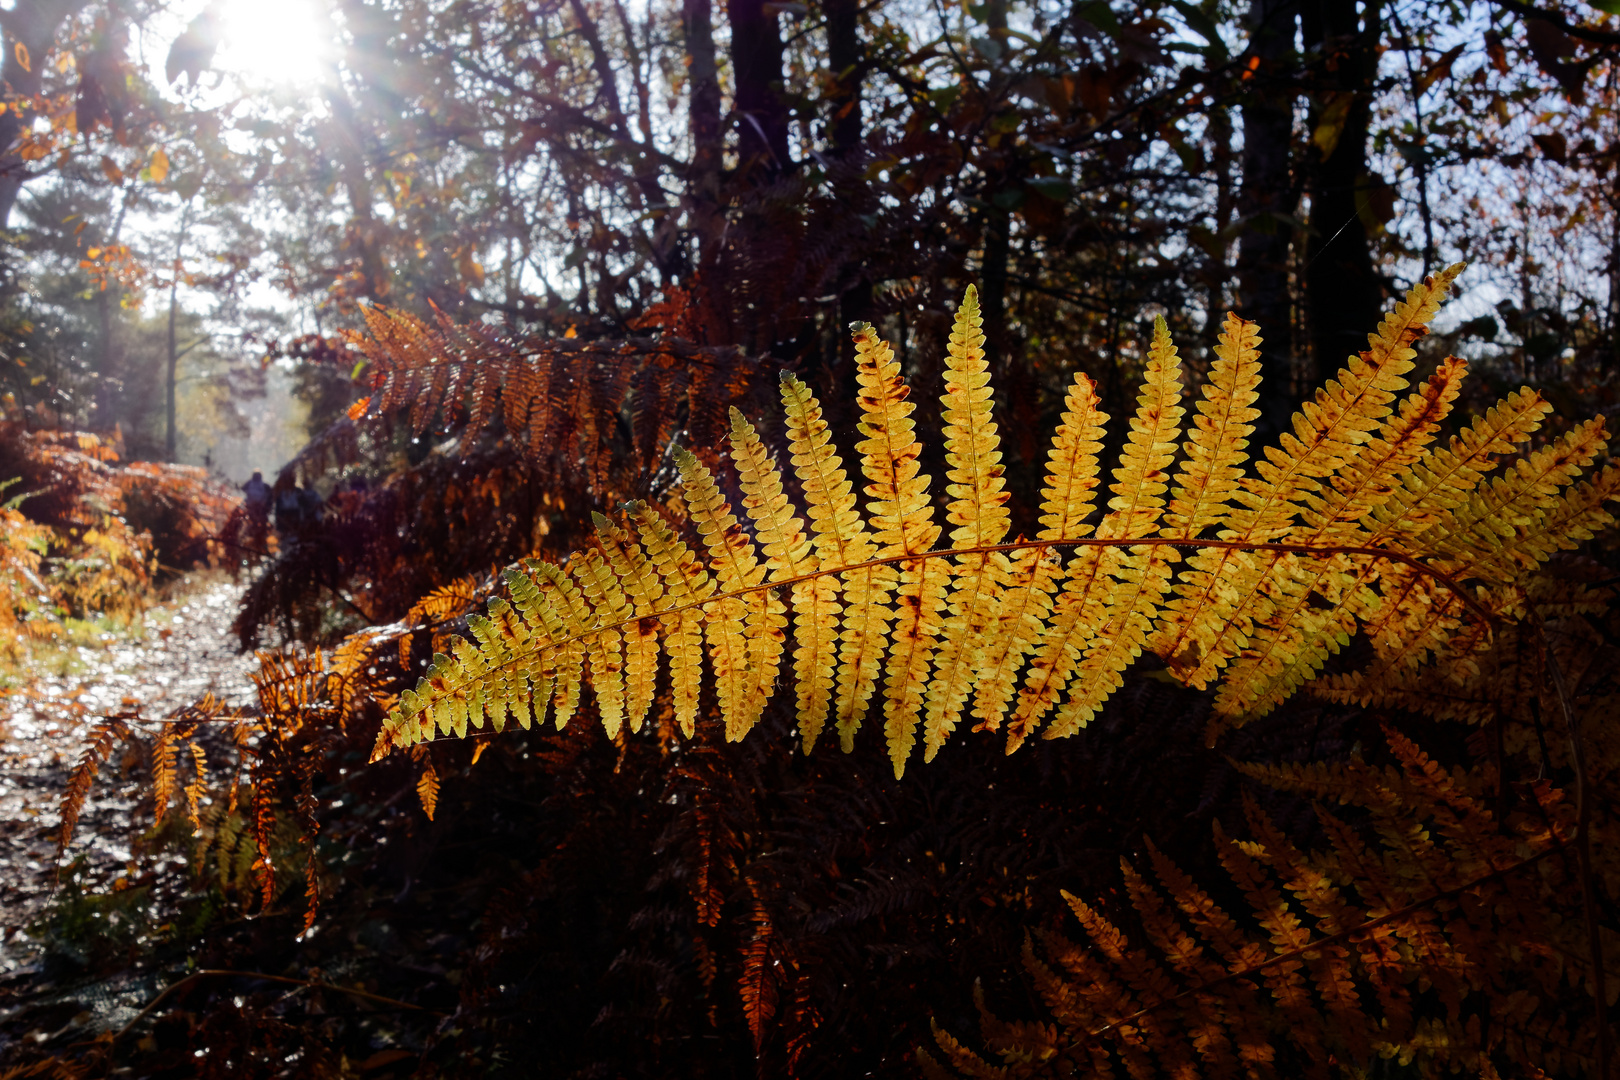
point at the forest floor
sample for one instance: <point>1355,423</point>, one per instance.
<point>179,650</point>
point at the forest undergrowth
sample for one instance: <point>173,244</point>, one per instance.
<point>587,815</point>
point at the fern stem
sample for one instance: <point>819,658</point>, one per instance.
<point>1322,551</point>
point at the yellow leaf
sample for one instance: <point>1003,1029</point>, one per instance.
<point>22,57</point>
<point>160,166</point>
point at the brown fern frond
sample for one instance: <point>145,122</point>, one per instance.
<point>1325,934</point>
<point>558,398</point>
<point>108,733</point>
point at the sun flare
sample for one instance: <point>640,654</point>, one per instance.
<point>287,42</point>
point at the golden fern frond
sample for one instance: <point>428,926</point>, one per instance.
<point>685,583</point>
<point>745,624</point>
<point>1138,577</point>
<point>1095,629</point>
<point>641,586</point>
<point>1294,636</point>
<point>1358,521</point>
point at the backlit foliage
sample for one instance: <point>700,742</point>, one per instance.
<point>82,534</point>
<point>559,399</point>
<point>1249,570</point>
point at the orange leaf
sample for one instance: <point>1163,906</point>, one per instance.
<point>427,788</point>
<point>22,57</point>
<point>358,409</point>
<point>160,166</point>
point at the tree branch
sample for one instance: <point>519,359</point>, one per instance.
<point>1574,30</point>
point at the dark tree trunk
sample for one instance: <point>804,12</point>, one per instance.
<point>1343,294</point>
<point>844,133</point>
<point>844,65</point>
<point>703,120</point>
<point>33,25</point>
<point>1267,192</point>
<point>756,63</point>
<point>997,234</point>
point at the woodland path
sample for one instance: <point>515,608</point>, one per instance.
<point>184,651</point>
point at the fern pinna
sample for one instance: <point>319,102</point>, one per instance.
<point>1358,518</point>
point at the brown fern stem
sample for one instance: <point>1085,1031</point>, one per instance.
<point>1349,934</point>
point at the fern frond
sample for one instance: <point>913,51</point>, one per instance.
<point>610,609</point>
<point>1293,637</point>
<point>641,587</point>
<point>1091,629</point>
<point>103,737</point>
<point>1327,435</point>
<point>1448,910</point>
<point>1477,532</point>
<point>1357,522</point>
<point>685,582</point>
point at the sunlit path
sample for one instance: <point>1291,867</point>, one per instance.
<point>187,651</point>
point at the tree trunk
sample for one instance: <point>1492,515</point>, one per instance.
<point>1267,192</point>
<point>997,233</point>
<point>169,437</point>
<point>756,63</point>
<point>1343,294</point>
<point>844,133</point>
<point>33,25</point>
<point>703,120</point>
<point>843,64</point>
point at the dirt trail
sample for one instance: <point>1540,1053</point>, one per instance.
<point>185,652</point>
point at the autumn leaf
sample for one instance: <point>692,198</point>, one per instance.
<point>159,169</point>
<point>358,409</point>
<point>22,57</point>
<point>1439,70</point>
<point>427,789</point>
